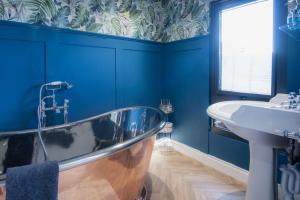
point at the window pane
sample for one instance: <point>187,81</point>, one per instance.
<point>246,45</point>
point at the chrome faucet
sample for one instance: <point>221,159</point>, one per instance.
<point>295,135</point>
<point>293,102</point>
<point>53,87</point>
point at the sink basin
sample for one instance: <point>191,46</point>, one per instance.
<point>264,120</point>
<point>262,124</point>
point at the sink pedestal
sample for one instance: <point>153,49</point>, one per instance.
<point>261,176</point>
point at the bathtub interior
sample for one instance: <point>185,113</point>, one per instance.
<point>78,139</point>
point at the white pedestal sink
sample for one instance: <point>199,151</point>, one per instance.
<point>262,124</point>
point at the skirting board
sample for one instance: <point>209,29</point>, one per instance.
<point>220,165</point>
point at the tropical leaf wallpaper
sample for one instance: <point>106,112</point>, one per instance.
<point>185,18</point>
<point>157,20</point>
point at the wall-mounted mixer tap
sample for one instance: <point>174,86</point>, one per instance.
<point>51,87</point>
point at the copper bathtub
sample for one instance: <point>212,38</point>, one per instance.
<point>103,157</point>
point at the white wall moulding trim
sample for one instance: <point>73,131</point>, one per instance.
<point>220,165</point>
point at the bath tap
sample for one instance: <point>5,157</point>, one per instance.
<point>42,107</point>
<point>53,87</point>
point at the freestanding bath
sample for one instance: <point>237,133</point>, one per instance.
<point>103,157</point>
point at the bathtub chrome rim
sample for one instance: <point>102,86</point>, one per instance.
<point>102,153</point>
<point>7,133</point>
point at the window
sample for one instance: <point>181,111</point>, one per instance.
<point>245,48</point>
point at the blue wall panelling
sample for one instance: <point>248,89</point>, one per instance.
<point>91,69</point>
<point>22,72</point>
<point>293,61</point>
<point>230,150</point>
<point>187,85</point>
<point>96,64</point>
<point>139,80</point>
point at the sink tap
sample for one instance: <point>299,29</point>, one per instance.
<point>292,102</point>
<point>292,134</point>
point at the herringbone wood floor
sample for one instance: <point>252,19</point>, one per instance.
<point>173,176</point>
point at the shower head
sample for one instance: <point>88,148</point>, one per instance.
<point>56,85</point>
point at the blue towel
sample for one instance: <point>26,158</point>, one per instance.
<point>33,182</point>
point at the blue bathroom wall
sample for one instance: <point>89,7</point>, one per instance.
<point>187,86</point>
<point>22,63</point>
<point>293,63</point>
<point>230,150</point>
<point>107,72</point>
<point>140,76</point>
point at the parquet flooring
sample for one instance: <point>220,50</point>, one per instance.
<point>173,176</point>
